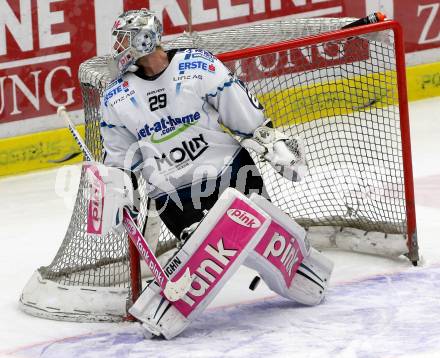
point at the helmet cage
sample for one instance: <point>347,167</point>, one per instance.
<point>121,41</point>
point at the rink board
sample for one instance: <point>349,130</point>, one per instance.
<point>36,151</point>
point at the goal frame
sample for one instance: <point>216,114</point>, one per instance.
<point>399,46</point>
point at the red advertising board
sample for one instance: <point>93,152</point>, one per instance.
<point>302,59</point>
<point>42,42</point>
<point>420,19</point>
<point>423,19</point>
<point>41,48</point>
<point>213,14</point>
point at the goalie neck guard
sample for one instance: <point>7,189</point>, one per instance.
<point>135,33</point>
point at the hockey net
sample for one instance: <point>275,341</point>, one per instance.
<point>343,91</point>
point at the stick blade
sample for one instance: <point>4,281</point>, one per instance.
<point>174,291</point>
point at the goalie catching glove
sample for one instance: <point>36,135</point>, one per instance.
<point>286,155</point>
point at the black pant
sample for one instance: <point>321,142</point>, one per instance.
<point>241,174</point>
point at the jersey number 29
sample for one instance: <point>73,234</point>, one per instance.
<point>156,102</point>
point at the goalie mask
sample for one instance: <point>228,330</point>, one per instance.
<point>136,33</point>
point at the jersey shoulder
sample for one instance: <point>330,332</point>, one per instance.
<point>120,93</point>
<point>196,53</point>
<point>196,60</point>
<point>114,89</point>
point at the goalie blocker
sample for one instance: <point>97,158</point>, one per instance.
<point>236,230</point>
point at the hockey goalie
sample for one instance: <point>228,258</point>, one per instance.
<point>169,116</point>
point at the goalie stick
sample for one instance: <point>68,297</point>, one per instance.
<point>173,290</point>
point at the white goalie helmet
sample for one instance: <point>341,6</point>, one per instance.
<point>136,33</point>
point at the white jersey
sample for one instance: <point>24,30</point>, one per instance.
<point>171,124</point>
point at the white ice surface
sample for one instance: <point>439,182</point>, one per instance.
<point>376,307</point>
